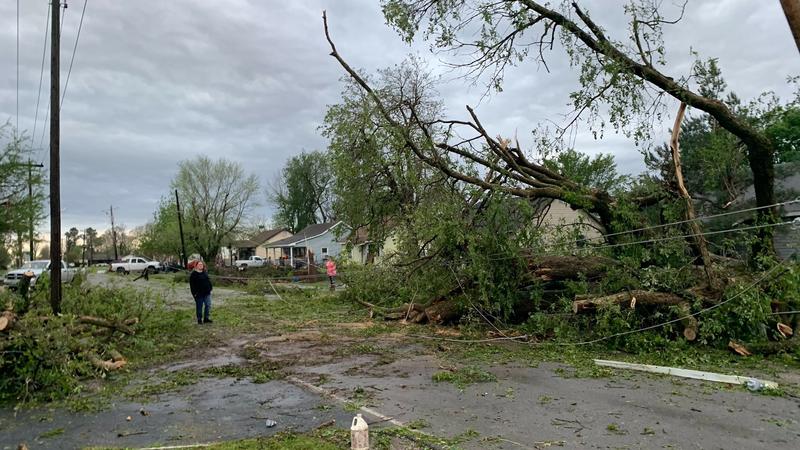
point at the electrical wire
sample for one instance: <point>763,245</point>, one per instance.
<point>17,129</point>
<point>686,236</point>
<point>713,216</point>
<point>41,72</point>
<point>72,60</point>
<point>60,30</point>
<point>697,313</point>
<point>522,339</point>
<point>654,227</point>
<point>648,241</point>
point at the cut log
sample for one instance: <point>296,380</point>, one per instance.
<point>116,356</point>
<point>773,347</point>
<point>7,320</point>
<point>439,311</point>
<point>115,326</point>
<point>784,330</point>
<point>108,365</point>
<point>739,348</point>
<point>403,311</point>
<point>443,311</point>
<point>586,304</point>
<point>690,324</point>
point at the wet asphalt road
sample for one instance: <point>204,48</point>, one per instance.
<point>527,407</point>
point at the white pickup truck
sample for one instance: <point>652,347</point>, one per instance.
<point>253,261</point>
<point>130,264</point>
<point>37,267</point>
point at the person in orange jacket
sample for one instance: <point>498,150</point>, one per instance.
<point>330,268</point>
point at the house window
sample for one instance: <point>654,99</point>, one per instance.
<point>324,250</point>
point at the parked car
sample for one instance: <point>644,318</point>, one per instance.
<point>37,267</point>
<point>253,261</point>
<point>130,264</point>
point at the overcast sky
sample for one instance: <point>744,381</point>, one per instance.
<point>156,82</point>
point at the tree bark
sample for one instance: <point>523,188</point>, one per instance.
<point>112,364</point>
<point>530,180</point>
<point>636,297</point>
<point>760,149</point>
<point>584,304</point>
<point>553,268</point>
<point>791,9</point>
<point>123,327</point>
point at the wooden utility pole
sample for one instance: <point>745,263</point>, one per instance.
<point>791,8</point>
<point>30,206</point>
<point>55,161</point>
<point>83,258</point>
<point>91,248</point>
<point>180,229</point>
<point>30,211</point>
<point>114,234</point>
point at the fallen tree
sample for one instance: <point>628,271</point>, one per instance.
<point>558,268</point>
<point>123,326</point>
<point>45,356</point>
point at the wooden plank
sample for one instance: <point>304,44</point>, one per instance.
<point>685,373</point>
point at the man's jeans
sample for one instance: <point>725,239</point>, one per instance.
<point>199,302</point>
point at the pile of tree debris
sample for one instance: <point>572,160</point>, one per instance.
<point>44,353</point>
<point>683,309</point>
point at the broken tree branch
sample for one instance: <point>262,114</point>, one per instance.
<point>700,240</point>
<point>123,327</point>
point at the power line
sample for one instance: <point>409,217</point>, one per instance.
<point>654,240</point>
<point>502,256</point>
<point>60,29</point>
<point>686,236</point>
<point>41,72</point>
<point>713,216</point>
<point>702,311</point>
<point>74,50</point>
<point>523,338</point>
<point>17,130</point>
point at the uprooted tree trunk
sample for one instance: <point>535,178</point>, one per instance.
<point>632,299</point>
<point>447,309</point>
<point>441,310</point>
<point>556,268</point>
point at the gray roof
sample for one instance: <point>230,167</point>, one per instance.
<point>787,187</point>
<point>266,235</point>
<point>258,239</point>
<point>244,243</point>
<point>306,233</point>
<point>790,187</point>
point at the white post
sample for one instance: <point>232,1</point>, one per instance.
<point>291,257</point>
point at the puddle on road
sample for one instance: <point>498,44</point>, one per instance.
<point>211,410</point>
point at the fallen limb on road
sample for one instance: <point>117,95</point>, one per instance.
<point>685,373</point>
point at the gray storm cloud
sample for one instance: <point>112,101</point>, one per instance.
<point>156,82</point>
